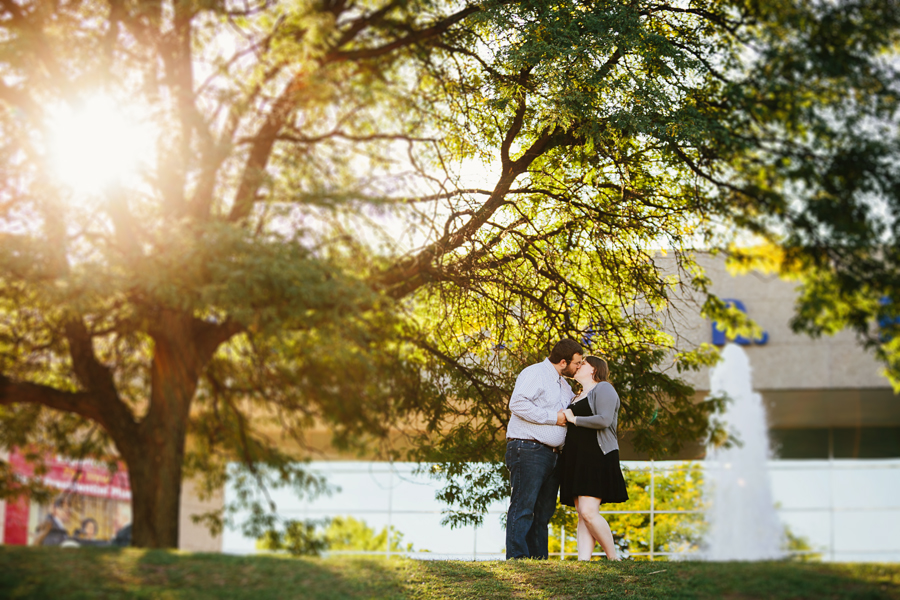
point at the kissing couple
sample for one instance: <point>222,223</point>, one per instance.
<point>561,443</point>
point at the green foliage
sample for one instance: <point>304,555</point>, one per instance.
<point>299,538</point>
<point>369,217</point>
<point>679,488</point>
<point>799,547</point>
<point>347,533</point>
<point>340,534</point>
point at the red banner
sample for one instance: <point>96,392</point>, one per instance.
<point>15,526</point>
<point>87,477</point>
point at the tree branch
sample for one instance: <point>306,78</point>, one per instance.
<point>514,129</point>
<point>357,25</point>
<point>729,25</point>
<point>410,274</point>
<point>90,372</point>
<point>209,336</point>
<point>86,404</point>
<point>261,149</point>
<point>100,400</point>
<point>413,38</point>
<point>264,140</point>
<point>338,134</point>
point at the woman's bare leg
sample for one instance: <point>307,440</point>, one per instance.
<point>589,513</point>
<point>585,539</point>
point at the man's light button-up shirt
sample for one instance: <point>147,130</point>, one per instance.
<point>540,393</point>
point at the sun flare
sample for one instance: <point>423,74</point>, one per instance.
<point>99,143</point>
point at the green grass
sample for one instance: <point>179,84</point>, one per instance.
<point>132,573</point>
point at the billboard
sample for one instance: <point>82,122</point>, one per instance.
<point>92,507</point>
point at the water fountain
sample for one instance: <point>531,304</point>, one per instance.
<point>742,521</point>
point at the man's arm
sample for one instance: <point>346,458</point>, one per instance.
<point>522,402</point>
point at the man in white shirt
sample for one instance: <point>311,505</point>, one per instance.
<point>534,439</point>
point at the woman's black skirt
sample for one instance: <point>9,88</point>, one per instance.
<point>586,471</point>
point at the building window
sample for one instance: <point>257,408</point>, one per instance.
<point>836,442</point>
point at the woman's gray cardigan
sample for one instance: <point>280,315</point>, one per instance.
<point>604,403</point>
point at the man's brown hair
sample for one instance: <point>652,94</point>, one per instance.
<point>565,350</point>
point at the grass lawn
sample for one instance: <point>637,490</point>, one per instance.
<point>132,573</point>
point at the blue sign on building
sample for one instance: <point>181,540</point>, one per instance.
<point>718,334</point>
<point>886,323</point>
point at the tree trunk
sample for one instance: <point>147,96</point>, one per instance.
<point>156,457</point>
<point>154,471</point>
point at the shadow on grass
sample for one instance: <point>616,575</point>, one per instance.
<point>789,580</point>
<point>133,573</point>
<point>657,580</point>
<point>560,580</point>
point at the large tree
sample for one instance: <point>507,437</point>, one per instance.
<point>370,215</point>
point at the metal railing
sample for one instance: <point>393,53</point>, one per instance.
<point>652,553</point>
<point>394,515</point>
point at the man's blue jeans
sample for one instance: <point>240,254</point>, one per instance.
<point>535,485</point>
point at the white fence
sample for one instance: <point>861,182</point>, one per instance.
<point>848,510</point>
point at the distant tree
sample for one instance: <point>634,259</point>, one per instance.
<point>299,538</point>
<point>337,534</point>
<point>800,548</point>
<point>347,533</point>
<point>370,215</point>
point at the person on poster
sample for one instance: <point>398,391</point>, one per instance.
<point>534,439</point>
<point>53,531</point>
<point>87,531</point>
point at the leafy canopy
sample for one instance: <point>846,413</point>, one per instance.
<point>369,216</point>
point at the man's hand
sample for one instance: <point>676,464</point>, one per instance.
<point>561,418</point>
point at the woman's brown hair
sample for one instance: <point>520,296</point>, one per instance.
<point>601,369</point>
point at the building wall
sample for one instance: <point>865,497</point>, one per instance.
<point>826,397</point>
<point>196,537</point>
<point>787,361</point>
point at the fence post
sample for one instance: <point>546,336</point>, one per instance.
<point>652,503</point>
<point>562,542</point>
<point>387,550</point>
<point>831,491</point>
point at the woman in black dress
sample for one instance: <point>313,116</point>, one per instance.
<point>591,473</point>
